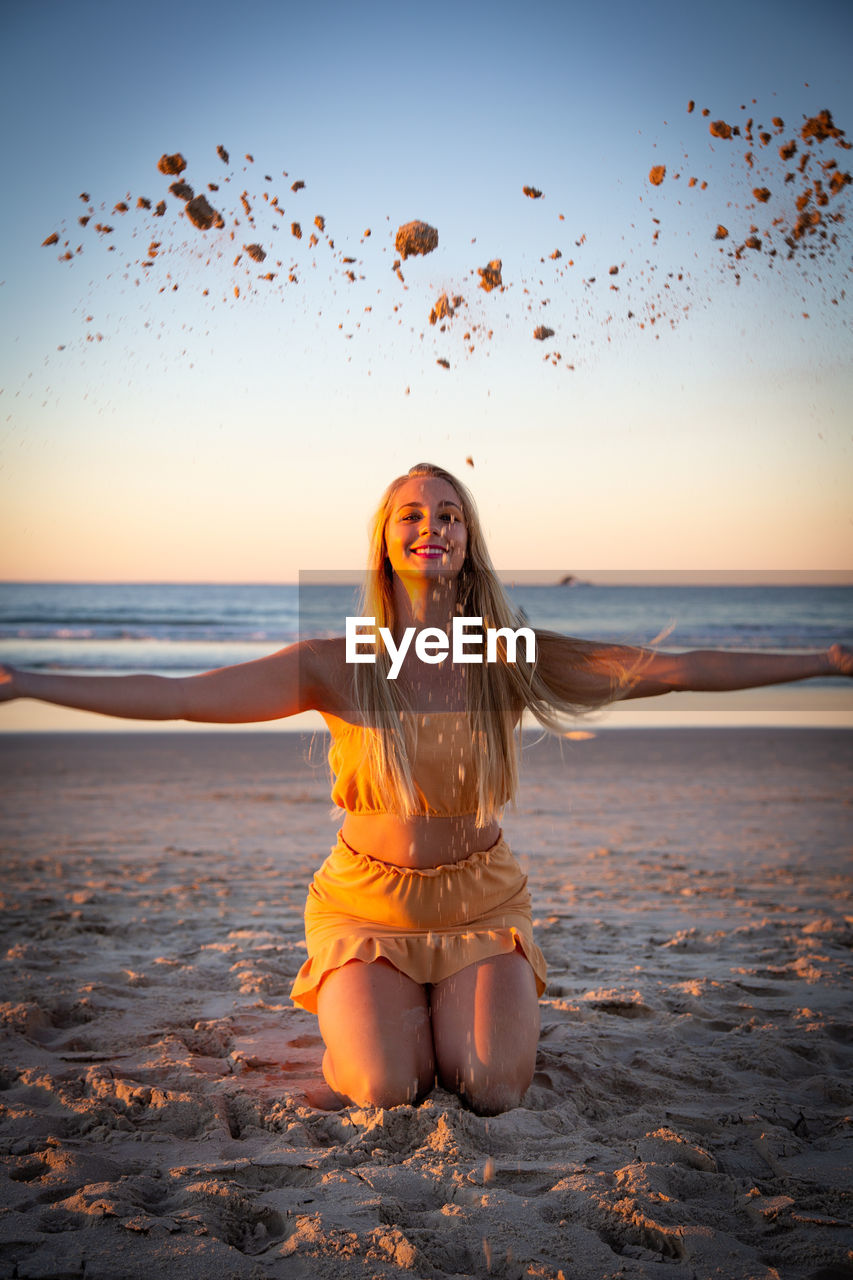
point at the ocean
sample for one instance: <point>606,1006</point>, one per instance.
<point>172,629</point>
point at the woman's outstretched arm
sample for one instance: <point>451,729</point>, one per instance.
<point>595,674</point>
<point>716,670</point>
<point>279,685</point>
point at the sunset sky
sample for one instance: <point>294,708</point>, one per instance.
<point>159,433</point>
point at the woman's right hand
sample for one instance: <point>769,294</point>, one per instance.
<point>841,659</point>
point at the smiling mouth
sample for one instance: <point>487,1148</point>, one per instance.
<point>429,553</point>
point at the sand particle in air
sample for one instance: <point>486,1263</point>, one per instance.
<point>255,252</point>
<point>490,276</point>
<point>172,164</point>
<point>721,233</point>
<point>533,193</point>
<point>222,153</point>
<point>657,173</point>
<point>202,215</point>
<point>821,127</point>
<point>541,332</point>
<point>182,190</point>
<point>445,308</point>
<point>415,238</point>
<point>719,129</point>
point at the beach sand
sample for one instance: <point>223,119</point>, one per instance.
<point>690,1115</point>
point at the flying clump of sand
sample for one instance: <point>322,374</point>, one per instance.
<point>803,220</point>
<point>783,207</point>
<point>172,164</point>
<point>415,238</point>
<point>445,308</point>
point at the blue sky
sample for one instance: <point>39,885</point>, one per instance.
<point>207,437</point>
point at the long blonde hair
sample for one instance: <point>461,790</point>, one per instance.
<point>497,693</point>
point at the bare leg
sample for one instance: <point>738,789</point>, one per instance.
<point>376,1025</point>
<point>485,1023</point>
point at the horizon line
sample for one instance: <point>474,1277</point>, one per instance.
<point>519,577</point>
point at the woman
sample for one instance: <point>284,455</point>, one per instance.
<point>421,960</point>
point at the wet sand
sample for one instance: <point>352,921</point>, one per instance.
<point>690,1111</point>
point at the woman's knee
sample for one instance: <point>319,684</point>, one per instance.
<point>486,1030</point>
<point>489,1091</point>
<point>379,1081</point>
<point>376,1025</point>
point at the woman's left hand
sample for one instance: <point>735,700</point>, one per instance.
<point>842,659</point>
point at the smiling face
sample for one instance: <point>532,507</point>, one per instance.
<point>425,533</point>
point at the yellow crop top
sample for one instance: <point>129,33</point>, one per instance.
<point>443,767</point>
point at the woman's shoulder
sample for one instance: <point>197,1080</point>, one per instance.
<point>324,668</point>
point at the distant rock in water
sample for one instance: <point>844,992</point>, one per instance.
<point>569,581</point>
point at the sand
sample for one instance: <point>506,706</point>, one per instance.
<point>203,215</point>
<point>415,239</point>
<point>445,308</point>
<point>171,164</point>
<point>490,276</point>
<point>690,1111</point>
<point>785,205</point>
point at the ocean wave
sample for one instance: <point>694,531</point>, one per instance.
<point>176,627</point>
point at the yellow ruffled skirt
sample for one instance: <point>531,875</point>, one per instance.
<point>428,923</point>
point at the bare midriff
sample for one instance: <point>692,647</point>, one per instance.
<point>418,843</point>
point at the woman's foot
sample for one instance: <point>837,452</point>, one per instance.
<point>323,1097</point>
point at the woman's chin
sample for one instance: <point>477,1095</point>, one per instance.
<point>428,569</point>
